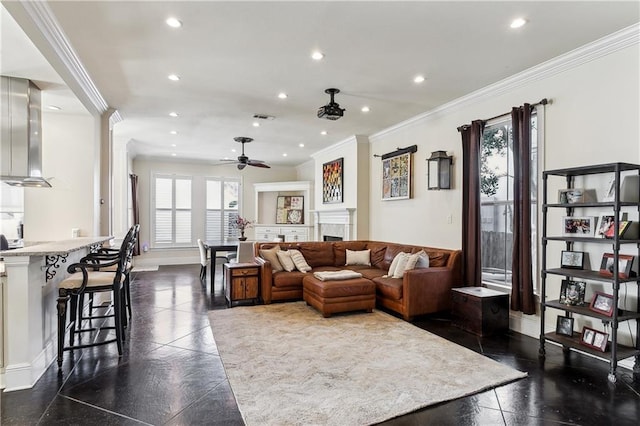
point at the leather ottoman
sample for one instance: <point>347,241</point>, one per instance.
<point>330,297</point>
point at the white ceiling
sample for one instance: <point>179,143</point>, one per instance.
<point>235,57</point>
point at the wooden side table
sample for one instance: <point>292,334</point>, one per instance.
<point>242,282</point>
<point>480,310</point>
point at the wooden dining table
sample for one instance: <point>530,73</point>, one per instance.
<point>214,247</point>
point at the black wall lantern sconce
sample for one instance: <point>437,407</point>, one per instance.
<point>439,170</point>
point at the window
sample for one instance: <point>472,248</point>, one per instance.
<point>172,211</point>
<point>222,203</point>
<point>496,201</point>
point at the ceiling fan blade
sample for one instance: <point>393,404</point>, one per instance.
<point>228,160</point>
<point>259,164</point>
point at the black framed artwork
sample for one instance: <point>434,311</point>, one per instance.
<point>572,259</point>
<point>564,326</point>
<point>332,176</point>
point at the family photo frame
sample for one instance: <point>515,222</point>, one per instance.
<point>594,339</point>
<point>564,326</point>
<point>625,263</point>
<point>579,226</point>
<point>572,292</point>
<point>602,303</point>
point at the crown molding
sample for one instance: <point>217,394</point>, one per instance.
<point>604,46</point>
<point>347,141</point>
<point>45,21</point>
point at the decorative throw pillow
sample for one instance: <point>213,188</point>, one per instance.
<point>400,267</point>
<point>285,259</point>
<point>413,260</point>
<point>271,256</point>
<point>423,260</point>
<point>394,264</point>
<point>299,260</point>
<point>359,257</point>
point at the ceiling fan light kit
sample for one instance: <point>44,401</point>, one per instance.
<point>332,110</point>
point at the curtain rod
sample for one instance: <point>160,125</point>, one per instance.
<point>544,101</point>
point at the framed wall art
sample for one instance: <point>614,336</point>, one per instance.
<point>396,177</point>
<point>290,209</point>
<point>332,175</point>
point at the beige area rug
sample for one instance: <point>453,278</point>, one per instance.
<point>287,365</point>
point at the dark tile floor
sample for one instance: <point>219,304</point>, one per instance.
<point>171,374</point>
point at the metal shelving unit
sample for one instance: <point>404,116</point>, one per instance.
<point>616,352</point>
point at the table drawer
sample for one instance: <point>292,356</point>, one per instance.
<point>244,272</point>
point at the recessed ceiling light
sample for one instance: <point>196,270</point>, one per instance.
<point>284,155</point>
<point>54,107</point>
<point>173,77</point>
<point>317,55</point>
<point>301,145</point>
<point>233,150</point>
<point>256,124</point>
<point>323,133</point>
<point>174,132</point>
<point>282,95</point>
<point>173,145</point>
<point>518,22</point>
<point>173,22</point>
<point>418,79</point>
<point>173,154</point>
<point>365,109</point>
<point>173,114</point>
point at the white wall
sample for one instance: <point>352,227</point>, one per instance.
<point>592,119</point>
<point>145,168</point>
<point>70,155</point>
<point>355,180</point>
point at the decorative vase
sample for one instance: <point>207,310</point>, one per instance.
<point>242,237</point>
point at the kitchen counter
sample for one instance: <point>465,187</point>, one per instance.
<point>30,292</point>
<point>55,247</point>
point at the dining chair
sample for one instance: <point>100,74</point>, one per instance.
<point>204,259</point>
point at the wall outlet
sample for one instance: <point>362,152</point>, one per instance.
<point>450,219</point>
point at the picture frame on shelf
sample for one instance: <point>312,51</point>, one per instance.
<point>594,339</point>
<point>579,226</point>
<point>605,226</point>
<point>625,263</point>
<point>572,259</point>
<point>572,292</point>
<point>602,303</point>
<point>564,326</point>
<point>576,195</point>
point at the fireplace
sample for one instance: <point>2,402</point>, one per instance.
<point>338,223</point>
<point>331,238</point>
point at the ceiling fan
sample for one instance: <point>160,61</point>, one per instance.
<point>244,161</point>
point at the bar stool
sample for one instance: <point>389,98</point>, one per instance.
<point>88,278</point>
<point>103,255</point>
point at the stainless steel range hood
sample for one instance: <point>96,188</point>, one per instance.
<point>20,133</point>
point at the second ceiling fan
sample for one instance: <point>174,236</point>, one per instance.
<point>244,161</point>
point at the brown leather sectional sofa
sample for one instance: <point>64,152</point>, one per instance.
<point>418,292</point>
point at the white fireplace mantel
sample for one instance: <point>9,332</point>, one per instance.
<point>344,217</point>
